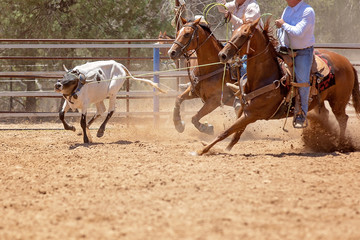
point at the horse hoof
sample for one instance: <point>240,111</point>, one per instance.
<point>71,128</point>
<point>100,133</point>
<point>207,128</point>
<point>195,154</point>
<point>180,126</point>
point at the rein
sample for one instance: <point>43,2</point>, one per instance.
<point>266,49</point>
<point>187,56</point>
<point>270,87</point>
<point>184,46</point>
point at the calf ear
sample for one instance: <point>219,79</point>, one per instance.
<point>66,70</point>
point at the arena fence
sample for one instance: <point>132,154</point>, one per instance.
<point>113,44</point>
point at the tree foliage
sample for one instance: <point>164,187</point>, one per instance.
<point>335,20</point>
<point>82,19</point>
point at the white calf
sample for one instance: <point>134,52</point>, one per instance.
<point>92,83</point>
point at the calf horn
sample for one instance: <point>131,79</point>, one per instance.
<point>66,70</point>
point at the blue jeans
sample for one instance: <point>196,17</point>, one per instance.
<point>244,66</point>
<point>303,62</point>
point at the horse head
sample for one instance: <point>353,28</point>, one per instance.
<point>185,39</point>
<point>240,38</point>
<point>163,37</point>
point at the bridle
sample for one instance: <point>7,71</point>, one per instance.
<point>186,45</point>
<point>194,34</point>
<point>248,40</point>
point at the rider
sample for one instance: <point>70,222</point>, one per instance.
<point>298,22</point>
<point>239,12</point>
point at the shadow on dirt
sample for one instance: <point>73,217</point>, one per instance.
<point>122,142</point>
<point>86,145</point>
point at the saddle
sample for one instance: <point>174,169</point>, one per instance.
<point>319,71</point>
<point>321,78</point>
<point>319,68</point>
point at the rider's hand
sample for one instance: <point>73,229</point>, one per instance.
<point>279,23</point>
<point>227,15</point>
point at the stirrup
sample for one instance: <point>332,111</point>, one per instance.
<point>304,124</point>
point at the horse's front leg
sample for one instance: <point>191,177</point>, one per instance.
<point>179,124</point>
<point>237,135</point>
<point>238,127</point>
<point>210,105</point>
<point>62,112</point>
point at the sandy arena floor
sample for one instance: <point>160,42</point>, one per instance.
<point>138,182</point>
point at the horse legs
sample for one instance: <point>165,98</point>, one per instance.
<point>234,140</point>
<point>238,127</point>
<point>342,118</point>
<point>237,135</point>
<point>179,124</point>
<point>209,106</point>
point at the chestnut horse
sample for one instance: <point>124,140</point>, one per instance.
<point>163,36</point>
<point>263,70</point>
<point>207,81</point>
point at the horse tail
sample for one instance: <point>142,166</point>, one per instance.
<point>356,94</point>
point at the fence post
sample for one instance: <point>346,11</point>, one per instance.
<point>156,68</point>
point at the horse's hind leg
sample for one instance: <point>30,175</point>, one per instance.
<point>179,124</point>
<point>342,118</point>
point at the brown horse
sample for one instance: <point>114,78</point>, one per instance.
<point>207,81</point>
<point>163,36</point>
<point>263,70</point>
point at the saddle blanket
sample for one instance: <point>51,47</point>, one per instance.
<point>328,80</point>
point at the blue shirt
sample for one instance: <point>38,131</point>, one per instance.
<point>299,26</point>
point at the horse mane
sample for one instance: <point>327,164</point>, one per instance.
<point>207,29</point>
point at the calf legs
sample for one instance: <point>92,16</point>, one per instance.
<point>100,109</point>
<point>86,134</point>
<point>62,112</point>
<point>101,130</point>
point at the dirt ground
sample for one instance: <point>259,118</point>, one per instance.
<point>139,182</point>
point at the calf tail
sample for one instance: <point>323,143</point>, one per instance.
<point>144,80</point>
<point>356,93</point>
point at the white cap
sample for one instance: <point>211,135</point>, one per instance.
<point>201,17</point>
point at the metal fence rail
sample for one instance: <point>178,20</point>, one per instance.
<point>102,44</point>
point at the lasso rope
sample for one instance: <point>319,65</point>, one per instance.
<point>157,73</point>
<point>205,14</point>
